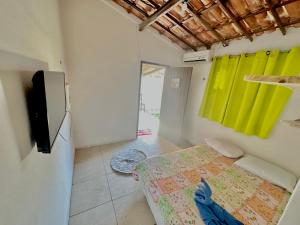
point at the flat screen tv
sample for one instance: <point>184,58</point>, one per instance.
<point>49,107</point>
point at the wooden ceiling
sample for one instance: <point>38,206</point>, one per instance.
<point>148,69</point>
<point>194,24</point>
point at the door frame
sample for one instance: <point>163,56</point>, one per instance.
<point>139,90</point>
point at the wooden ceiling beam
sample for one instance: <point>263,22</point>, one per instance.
<point>160,12</point>
<point>285,3</point>
<point>206,25</point>
<point>243,17</point>
<point>292,23</point>
<point>248,15</point>
<point>234,20</point>
<point>257,12</point>
<point>284,25</point>
<point>157,6</point>
<point>146,3</point>
<point>180,24</point>
<point>174,20</point>
<point>152,71</point>
<point>276,17</point>
<point>214,5</point>
<point>197,15</point>
<point>176,36</point>
<point>159,24</point>
<point>136,8</point>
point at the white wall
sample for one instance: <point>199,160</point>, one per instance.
<point>282,147</point>
<point>34,188</point>
<point>104,50</point>
<point>32,28</point>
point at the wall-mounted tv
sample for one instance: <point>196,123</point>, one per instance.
<point>49,107</point>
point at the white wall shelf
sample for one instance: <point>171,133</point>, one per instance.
<point>293,123</point>
<point>286,81</point>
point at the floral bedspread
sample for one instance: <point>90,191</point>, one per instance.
<point>171,180</point>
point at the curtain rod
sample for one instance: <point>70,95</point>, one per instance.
<point>251,54</point>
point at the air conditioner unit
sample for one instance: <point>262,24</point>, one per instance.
<point>197,56</point>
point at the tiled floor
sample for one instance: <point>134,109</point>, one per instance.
<point>103,197</point>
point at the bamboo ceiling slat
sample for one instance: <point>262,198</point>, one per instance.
<point>206,25</point>
<point>174,19</point>
<point>157,6</point>
<point>275,6</point>
<point>187,30</point>
<point>159,12</point>
<point>206,22</point>
<point>175,35</point>
<point>234,20</point>
<point>276,16</point>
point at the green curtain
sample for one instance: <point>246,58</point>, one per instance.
<point>219,87</point>
<point>249,108</point>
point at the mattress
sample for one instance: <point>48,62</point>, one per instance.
<point>170,181</point>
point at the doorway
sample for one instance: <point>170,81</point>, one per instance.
<point>151,91</point>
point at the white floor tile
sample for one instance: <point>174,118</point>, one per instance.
<point>89,194</point>
<point>133,209</point>
<point>87,153</point>
<point>121,185</point>
<point>88,164</point>
<point>159,145</point>
<point>101,215</point>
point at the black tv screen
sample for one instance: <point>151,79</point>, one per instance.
<point>49,107</point>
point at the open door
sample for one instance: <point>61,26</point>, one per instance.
<point>174,99</point>
<point>151,89</point>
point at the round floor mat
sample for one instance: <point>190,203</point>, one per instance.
<point>125,161</point>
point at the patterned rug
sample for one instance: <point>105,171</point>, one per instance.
<point>125,161</point>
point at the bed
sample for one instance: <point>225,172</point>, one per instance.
<point>169,182</point>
